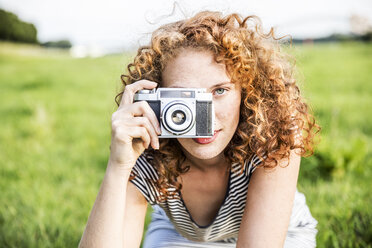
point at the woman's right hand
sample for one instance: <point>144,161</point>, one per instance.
<point>134,127</point>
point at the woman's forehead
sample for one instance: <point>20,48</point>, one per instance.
<point>194,68</point>
<point>207,85</point>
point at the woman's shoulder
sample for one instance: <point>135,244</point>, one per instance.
<point>144,168</point>
<point>143,176</point>
<point>249,165</point>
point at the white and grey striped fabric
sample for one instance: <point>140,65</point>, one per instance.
<point>173,226</point>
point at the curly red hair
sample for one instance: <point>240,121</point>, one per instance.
<point>274,119</point>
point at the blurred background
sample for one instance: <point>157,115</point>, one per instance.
<point>60,67</point>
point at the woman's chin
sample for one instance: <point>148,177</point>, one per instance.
<point>200,151</point>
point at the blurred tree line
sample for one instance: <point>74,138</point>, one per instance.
<point>13,29</point>
<point>16,30</point>
<point>65,44</point>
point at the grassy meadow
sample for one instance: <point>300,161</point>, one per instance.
<point>55,114</point>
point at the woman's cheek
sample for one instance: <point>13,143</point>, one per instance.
<point>228,109</point>
<point>220,112</point>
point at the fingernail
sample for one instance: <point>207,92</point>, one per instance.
<point>157,146</point>
<point>159,130</point>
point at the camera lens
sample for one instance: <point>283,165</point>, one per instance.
<point>178,117</point>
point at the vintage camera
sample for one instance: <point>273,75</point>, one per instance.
<point>181,112</point>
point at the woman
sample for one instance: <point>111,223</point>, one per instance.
<point>199,187</point>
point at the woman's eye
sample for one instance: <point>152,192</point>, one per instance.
<point>220,91</point>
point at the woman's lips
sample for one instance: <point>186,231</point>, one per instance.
<point>207,140</point>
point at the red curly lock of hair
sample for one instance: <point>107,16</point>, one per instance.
<point>274,119</point>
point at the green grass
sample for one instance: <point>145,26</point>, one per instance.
<point>55,133</point>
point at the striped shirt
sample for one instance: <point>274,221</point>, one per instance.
<point>225,226</point>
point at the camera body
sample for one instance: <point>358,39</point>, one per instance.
<point>181,112</point>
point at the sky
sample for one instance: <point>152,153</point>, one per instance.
<point>122,24</point>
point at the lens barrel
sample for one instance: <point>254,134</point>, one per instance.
<point>177,118</point>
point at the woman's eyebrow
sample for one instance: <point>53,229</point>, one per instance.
<point>220,84</point>
<point>214,86</point>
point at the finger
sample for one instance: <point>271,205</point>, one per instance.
<point>131,89</point>
<point>142,108</point>
<point>144,122</point>
<point>142,133</point>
